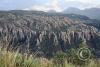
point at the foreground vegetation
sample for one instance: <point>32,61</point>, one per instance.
<point>15,59</point>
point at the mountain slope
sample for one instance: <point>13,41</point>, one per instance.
<point>45,33</point>
<point>93,13</point>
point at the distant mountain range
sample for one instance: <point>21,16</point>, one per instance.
<point>93,13</point>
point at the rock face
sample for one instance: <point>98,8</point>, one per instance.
<point>43,33</point>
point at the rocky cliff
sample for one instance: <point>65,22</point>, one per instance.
<point>45,34</point>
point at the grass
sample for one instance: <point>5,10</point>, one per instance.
<point>15,59</point>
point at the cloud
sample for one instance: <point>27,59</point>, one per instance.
<point>38,8</point>
<point>53,5</point>
<point>45,5</point>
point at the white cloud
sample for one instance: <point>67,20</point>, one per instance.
<point>57,5</point>
<point>54,5</point>
<point>38,8</point>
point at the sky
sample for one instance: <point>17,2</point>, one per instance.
<point>45,5</point>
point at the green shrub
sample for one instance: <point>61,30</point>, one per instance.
<point>73,58</point>
<point>59,59</point>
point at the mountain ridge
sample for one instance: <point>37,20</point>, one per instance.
<point>93,13</point>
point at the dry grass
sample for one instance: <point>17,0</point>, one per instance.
<point>15,59</point>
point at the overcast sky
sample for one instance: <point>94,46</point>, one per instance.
<point>45,5</point>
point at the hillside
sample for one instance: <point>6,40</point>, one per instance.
<point>92,13</point>
<point>45,33</point>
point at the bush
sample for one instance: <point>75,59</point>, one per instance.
<point>73,58</point>
<point>59,59</point>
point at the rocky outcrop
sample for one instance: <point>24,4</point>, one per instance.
<point>44,33</point>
